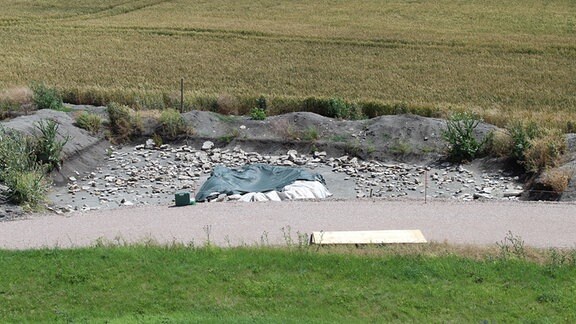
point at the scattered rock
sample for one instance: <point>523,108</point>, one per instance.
<point>208,145</point>
<point>140,175</point>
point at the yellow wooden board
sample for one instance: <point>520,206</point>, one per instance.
<point>368,237</point>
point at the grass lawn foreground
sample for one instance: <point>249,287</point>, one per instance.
<point>148,283</point>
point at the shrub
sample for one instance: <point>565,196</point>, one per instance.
<point>172,123</point>
<point>316,105</point>
<point>459,133</point>
<point>19,170</point>
<point>27,187</point>
<point>355,112</point>
<point>47,147</point>
<point>534,148</point>
<point>401,147</point>
<point>375,109</point>
<point>522,136</point>
<point>258,113</point>
<point>46,98</point>
<point>372,109</point>
<point>284,128</point>
<point>16,152</point>
<point>337,108</point>
<point>89,122</point>
<point>157,140</point>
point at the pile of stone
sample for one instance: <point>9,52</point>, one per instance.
<point>146,174</point>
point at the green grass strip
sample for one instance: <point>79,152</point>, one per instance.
<point>181,284</point>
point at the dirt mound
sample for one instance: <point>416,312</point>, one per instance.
<point>401,138</point>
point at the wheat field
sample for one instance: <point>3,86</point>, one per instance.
<point>501,59</point>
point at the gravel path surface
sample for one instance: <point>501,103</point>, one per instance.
<point>235,223</point>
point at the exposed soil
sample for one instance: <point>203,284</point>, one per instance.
<point>405,139</point>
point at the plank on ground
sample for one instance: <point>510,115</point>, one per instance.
<point>368,237</point>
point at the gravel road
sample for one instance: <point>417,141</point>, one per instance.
<point>235,223</point>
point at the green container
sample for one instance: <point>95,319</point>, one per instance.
<point>183,199</point>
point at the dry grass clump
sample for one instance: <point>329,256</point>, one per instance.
<point>284,129</point>
<point>557,179</point>
<point>501,144</point>
<point>124,122</point>
<point>504,249</point>
<point>172,124</point>
<point>227,104</point>
<point>89,122</point>
<point>545,151</point>
<point>16,99</point>
<point>17,96</point>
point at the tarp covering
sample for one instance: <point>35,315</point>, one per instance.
<point>252,178</point>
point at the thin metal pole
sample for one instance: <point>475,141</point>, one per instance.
<point>425,186</point>
<point>181,95</point>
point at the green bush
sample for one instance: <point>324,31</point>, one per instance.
<point>16,152</point>
<point>89,122</point>
<point>27,187</point>
<point>172,123</point>
<point>47,146</point>
<point>19,170</point>
<point>46,98</point>
<point>522,135</point>
<point>258,113</point>
<point>459,133</point>
<point>337,108</point>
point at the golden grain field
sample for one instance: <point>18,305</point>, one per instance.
<point>502,59</point>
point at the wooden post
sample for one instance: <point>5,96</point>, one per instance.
<point>181,95</point>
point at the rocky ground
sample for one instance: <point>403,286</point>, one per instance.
<point>389,157</point>
<point>145,174</point>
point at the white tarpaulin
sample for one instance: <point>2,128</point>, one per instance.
<point>296,190</point>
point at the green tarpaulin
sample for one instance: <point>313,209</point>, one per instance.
<point>252,178</point>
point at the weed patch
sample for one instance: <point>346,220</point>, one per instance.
<point>48,144</point>
<point>89,122</point>
<point>258,113</point>
<point>459,133</point>
<point>172,124</point>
